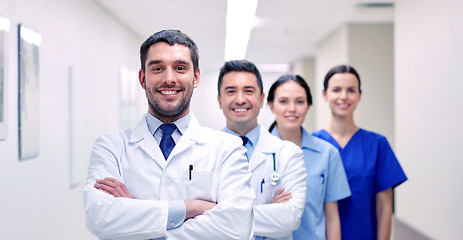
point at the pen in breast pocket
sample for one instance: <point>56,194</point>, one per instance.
<point>189,173</point>
<point>261,184</point>
<point>323,178</point>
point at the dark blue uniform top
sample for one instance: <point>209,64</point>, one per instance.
<point>371,167</point>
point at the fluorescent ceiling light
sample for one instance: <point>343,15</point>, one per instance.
<point>240,19</point>
<point>4,24</point>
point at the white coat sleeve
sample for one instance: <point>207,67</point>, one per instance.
<point>118,218</point>
<point>280,219</point>
<point>232,217</point>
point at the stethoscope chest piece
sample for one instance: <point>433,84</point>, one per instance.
<point>274,179</point>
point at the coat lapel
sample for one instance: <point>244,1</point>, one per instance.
<point>143,138</point>
<point>265,147</point>
<point>193,135</point>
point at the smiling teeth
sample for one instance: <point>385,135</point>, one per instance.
<point>168,92</point>
<point>240,109</point>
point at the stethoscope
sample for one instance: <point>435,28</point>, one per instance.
<point>275,177</point>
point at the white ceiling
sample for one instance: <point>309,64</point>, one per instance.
<point>286,30</point>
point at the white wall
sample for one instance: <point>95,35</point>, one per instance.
<point>371,53</point>
<point>37,200</point>
<point>330,52</point>
<point>429,114</point>
<point>306,69</point>
<point>204,102</point>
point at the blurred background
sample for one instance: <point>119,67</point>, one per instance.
<point>409,54</point>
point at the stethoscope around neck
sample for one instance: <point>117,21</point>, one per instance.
<point>275,177</point>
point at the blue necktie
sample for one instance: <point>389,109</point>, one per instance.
<point>245,140</point>
<point>167,142</point>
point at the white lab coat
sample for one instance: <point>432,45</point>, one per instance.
<point>277,221</point>
<point>220,174</point>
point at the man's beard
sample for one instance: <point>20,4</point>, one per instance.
<point>174,112</point>
<point>171,113</point>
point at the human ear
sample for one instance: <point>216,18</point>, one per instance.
<point>142,79</point>
<point>196,78</point>
<point>220,101</point>
<point>262,99</point>
<point>324,96</point>
<point>270,104</point>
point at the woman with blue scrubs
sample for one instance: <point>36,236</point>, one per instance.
<point>289,99</point>
<point>371,166</point>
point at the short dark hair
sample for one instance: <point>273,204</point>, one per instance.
<point>171,37</point>
<point>280,81</point>
<point>340,69</point>
<point>240,66</point>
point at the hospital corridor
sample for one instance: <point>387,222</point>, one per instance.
<point>69,72</point>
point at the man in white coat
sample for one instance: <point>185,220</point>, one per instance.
<point>278,172</point>
<point>169,177</point>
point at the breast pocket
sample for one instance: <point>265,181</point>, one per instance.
<point>202,185</point>
<point>315,190</point>
<point>265,191</point>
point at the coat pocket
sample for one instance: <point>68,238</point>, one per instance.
<point>202,185</point>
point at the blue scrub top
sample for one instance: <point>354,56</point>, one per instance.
<point>326,182</point>
<point>371,167</point>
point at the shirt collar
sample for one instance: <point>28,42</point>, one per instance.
<point>307,140</point>
<point>154,123</point>
<point>252,135</point>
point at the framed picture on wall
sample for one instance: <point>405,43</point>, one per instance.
<point>4,29</point>
<point>28,99</point>
<point>128,97</point>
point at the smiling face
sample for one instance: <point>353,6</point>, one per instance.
<point>168,81</point>
<point>342,94</point>
<point>240,100</point>
<point>289,105</point>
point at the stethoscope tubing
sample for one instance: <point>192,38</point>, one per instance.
<point>275,177</point>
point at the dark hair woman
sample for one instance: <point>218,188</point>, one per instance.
<point>289,99</point>
<point>371,166</point>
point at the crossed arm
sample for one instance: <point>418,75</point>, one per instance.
<point>112,212</point>
<point>115,188</point>
<point>282,216</point>
<point>281,196</point>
